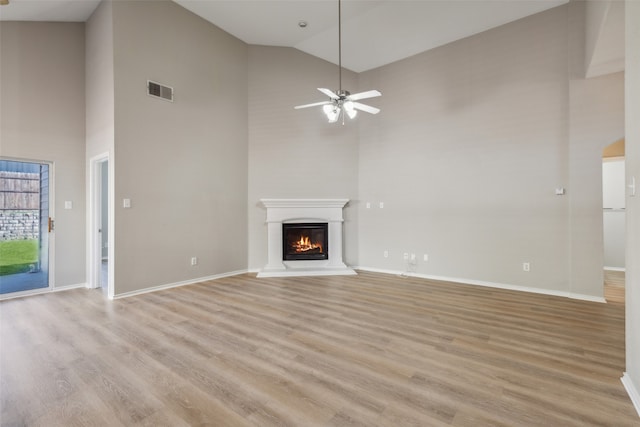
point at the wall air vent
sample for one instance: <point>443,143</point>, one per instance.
<point>159,91</point>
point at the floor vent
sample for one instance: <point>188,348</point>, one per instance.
<point>159,91</point>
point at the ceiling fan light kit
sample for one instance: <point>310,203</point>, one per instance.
<point>341,103</point>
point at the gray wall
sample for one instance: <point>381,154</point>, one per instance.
<point>467,155</point>
<point>297,153</point>
<point>99,82</point>
<point>43,118</point>
<point>100,116</point>
<point>183,164</point>
<point>474,139</point>
<point>596,119</point>
<point>632,168</point>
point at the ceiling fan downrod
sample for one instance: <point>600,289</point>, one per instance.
<point>339,47</point>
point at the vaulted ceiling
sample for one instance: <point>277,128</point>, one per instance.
<point>374,32</point>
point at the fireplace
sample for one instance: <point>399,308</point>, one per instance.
<point>306,241</point>
<point>314,247</point>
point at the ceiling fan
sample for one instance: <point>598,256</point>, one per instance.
<point>341,102</point>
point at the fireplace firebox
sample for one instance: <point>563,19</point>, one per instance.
<point>305,241</point>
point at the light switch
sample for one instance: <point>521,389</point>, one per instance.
<point>559,191</point>
<point>381,205</point>
<point>126,203</point>
<point>68,204</point>
<point>368,205</point>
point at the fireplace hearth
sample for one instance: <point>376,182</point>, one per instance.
<point>306,241</point>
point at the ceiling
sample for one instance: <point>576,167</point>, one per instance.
<point>604,49</point>
<point>374,32</point>
<point>48,10</point>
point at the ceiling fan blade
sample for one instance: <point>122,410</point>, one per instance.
<point>297,107</point>
<point>364,95</point>
<point>366,108</point>
<point>329,93</point>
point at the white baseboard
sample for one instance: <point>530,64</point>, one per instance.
<point>177,284</point>
<point>584,297</point>
<point>382,271</point>
<point>41,291</point>
<point>301,272</point>
<point>67,287</point>
<point>463,281</point>
<point>632,390</point>
<point>615,268</point>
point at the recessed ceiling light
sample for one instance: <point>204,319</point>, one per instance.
<point>302,24</point>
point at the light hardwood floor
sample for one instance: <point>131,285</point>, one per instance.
<point>614,286</point>
<point>366,350</point>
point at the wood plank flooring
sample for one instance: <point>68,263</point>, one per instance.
<point>614,286</point>
<point>366,350</point>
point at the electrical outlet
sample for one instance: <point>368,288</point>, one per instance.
<point>406,255</point>
<point>526,266</point>
<point>386,254</point>
<point>194,260</point>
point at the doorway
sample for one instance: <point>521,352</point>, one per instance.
<point>25,226</point>
<point>100,227</point>
<point>614,220</point>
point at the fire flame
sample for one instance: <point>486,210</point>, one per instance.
<point>304,245</point>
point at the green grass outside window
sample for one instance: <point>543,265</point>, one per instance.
<point>17,256</point>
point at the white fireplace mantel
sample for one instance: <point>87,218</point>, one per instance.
<point>283,211</point>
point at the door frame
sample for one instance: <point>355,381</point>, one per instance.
<point>94,244</point>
